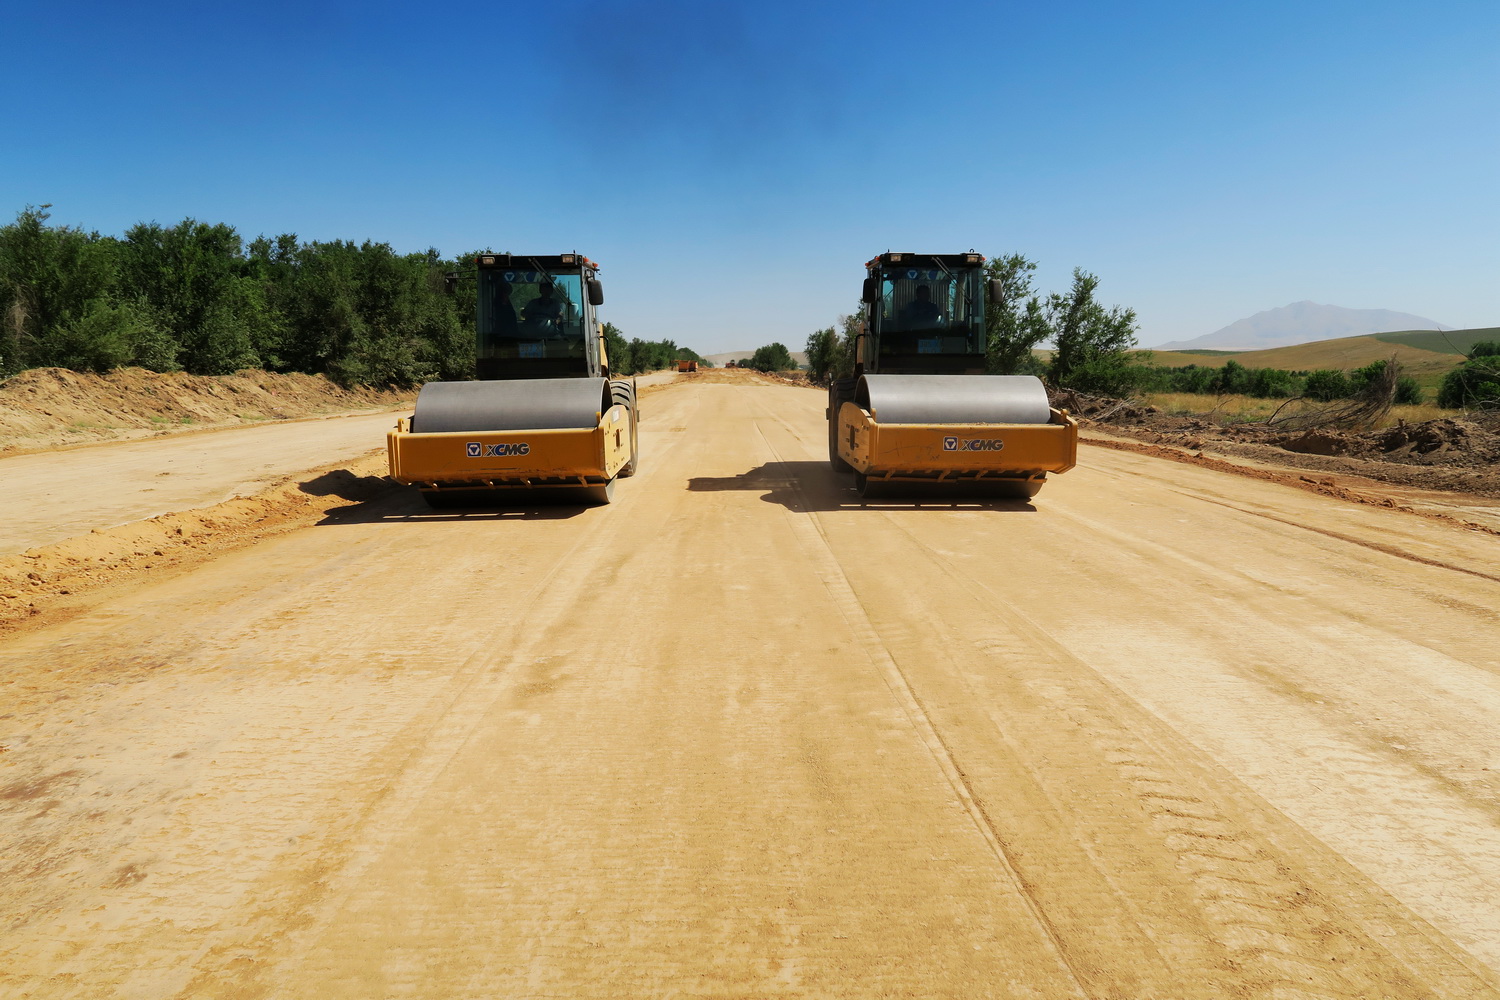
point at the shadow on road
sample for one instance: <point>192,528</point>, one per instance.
<point>378,500</point>
<point>813,486</point>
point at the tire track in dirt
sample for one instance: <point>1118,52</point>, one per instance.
<point>1259,926</point>
<point>815,545</point>
<point>1277,922</point>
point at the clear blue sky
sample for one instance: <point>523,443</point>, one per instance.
<point>731,165</point>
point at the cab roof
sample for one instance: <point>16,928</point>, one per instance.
<point>544,261</point>
<point>952,260</point>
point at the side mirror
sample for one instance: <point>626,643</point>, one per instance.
<point>871,293</point>
<point>997,291</point>
<point>596,292</point>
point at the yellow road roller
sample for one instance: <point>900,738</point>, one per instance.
<point>543,419</point>
<point>920,416</point>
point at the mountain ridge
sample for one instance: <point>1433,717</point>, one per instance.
<point>1301,323</point>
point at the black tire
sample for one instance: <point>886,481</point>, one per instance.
<point>840,391</point>
<point>623,394</point>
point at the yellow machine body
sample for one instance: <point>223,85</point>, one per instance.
<point>512,459</point>
<point>957,452</point>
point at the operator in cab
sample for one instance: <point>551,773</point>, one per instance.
<point>921,313</point>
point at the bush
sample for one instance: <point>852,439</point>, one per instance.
<point>1475,383</point>
<point>1112,375</point>
<point>1327,384</point>
<point>822,354</point>
<point>1272,383</point>
<point>773,358</point>
<point>1408,391</point>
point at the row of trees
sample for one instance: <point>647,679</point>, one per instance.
<point>773,357</point>
<point>632,357</point>
<point>1326,384</point>
<point>196,297</point>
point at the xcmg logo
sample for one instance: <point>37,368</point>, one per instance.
<point>478,449</point>
<point>972,444</point>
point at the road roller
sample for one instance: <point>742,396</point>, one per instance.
<point>543,419</point>
<point>920,416</point>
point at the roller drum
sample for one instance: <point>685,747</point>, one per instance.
<point>954,399</point>
<point>531,404</point>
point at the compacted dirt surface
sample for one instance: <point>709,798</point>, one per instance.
<point>1168,731</point>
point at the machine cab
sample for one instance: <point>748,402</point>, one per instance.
<point>535,317</point>
<point>926,314</point>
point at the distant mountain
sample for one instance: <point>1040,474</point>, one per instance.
<point>1301,323</point>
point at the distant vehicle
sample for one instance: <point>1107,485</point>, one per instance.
<point>544,416</point>
<point>920,414</point>
<point>686,366</point>
<point>731,364</point>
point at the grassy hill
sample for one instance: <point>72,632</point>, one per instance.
<point>1441,341</point>
<point>1425,355</point>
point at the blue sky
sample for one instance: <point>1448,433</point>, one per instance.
<point>732,165</point>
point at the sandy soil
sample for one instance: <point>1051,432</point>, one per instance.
<point>1166,732</point>
<point>1449,454</point>
<point>46,408</point>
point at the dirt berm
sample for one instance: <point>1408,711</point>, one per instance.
<point>54,407</point>
<point>1459,454</point>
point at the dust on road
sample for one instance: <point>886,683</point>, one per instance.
<point>1164,732</point>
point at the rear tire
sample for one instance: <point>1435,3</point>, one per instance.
<point>623,394</point>
<point>840,391</point>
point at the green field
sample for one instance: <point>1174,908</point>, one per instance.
<point>1441,341</point>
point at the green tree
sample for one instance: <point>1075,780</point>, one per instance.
<point>1327,384</point>
<point>1016,322</point>
<point>617,350</point>
<point>193,278</point>
<point>822,353</point>
<point>773,357</point>
<point>51,278</point>
<point>1473,384</point>
<point>1272,383</point>
<point>1088,337</point>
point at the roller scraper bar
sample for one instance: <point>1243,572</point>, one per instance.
<point>954,399</point>
<point>510,406</point>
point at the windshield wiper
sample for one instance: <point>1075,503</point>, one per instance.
<point>542,269</point>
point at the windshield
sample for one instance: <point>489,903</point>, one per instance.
<point>930,311</point>
<point>530,314</point>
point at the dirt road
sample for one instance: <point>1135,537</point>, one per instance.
<point>1164,733</point>
<point>54,495</point>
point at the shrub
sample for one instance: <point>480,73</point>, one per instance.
<point>1327,384</point>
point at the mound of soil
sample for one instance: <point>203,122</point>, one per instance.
<point>1451,454</point>
<point>40,584</point>
<point>52,407</point>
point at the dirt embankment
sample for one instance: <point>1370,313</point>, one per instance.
<point>44,584</point>
<point>54,407</point>
<point>1452,454</point>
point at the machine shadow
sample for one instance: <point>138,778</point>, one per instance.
<point>814,486</point>
<point>378,500</point>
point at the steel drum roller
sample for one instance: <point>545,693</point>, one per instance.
<point>510,405</point>
<point>954,399</point>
